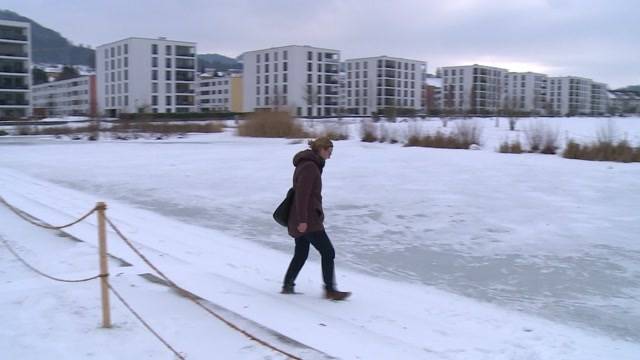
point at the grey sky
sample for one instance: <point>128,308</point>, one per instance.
<point>598,39</point>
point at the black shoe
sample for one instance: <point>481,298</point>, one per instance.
<point>287,290</point>
<point>336,295</point>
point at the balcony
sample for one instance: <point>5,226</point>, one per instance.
<point>185,76</point>
<point>13,102</point>
<point>331,57</point>
<point>189,64</point>
<point>13,87</point>
<point>12,54</point>
<point>185,100</point>
<point>330,101</point>
<point>331,79</point>
<point>185,51</point>
<point>331,69</point>
<point>181,89</point>
<point>11,35</point>
<point>389,64</point>
<point>330,90</point>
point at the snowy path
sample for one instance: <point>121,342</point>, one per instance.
<point>383,320</point>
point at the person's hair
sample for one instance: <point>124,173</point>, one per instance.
<point>320,143</point>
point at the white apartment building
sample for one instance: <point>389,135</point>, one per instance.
<point>214,92</point>
<point>302,79</point>
<point>472,88</point>
<point>599,98</point>
<point>526,92</point>
<point>377,83</point>
<point>149,75</point>
<point>570,95</point>
<point>75,96</point>
<point>15,69</point>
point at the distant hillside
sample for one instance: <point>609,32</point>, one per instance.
<point>49,46</point>
<point>218,62</point>
<point>634,88</point>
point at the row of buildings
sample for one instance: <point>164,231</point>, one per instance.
<point>160,76</point>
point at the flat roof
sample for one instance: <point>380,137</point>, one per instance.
<point>384,57</point>
<point>148,39</point>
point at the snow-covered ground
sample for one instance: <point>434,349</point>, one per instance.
<point>452,254</point>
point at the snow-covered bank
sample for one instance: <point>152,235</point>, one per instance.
<point>385,319</point>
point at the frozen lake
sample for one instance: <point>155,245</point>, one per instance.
<point>537,233</point>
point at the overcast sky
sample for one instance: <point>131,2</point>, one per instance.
<point>598,39</point>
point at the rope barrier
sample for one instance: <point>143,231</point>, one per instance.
<point>23,261</point>
<point>192,298</point>
<point>170,282</point>
<point>145,323</point>
<point>21,215</point>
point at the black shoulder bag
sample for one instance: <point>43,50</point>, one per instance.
<point>281,215</point>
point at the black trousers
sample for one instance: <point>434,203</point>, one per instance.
<point>321,242</point>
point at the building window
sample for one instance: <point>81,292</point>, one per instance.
<point>309,55</point>
<point>154,49</point>
<point>168,101</point>
<point>154,87</point>
<point>284,55</point>
<point>126,48</point>
<point>154,62</point>
<point>168,62</point>
<point>168,88</point>
<point>126,61</point>
<point>284,77</point>
<point>154,100</point>
<point>284,66</point>
<point>266,57</point>
<point>309,67</point>
<point>168,75</point>
<point>266,68</point>
<point>319,56</point>
<point>154,74</point>
<point>126,74</point>
<point>113,52</point>
<point>275,56</point>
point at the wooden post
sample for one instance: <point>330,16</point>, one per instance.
<point>104,266</point>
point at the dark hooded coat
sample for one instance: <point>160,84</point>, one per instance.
<point>307,183</point>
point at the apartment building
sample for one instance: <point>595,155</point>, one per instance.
<point>377,83</point>
<point>149,75</point>
<point>301,79</point>
<point>219,92</point>
<point>472,89</point>
<point>77,96</point>
<point>15,69</point>
<point>526,92</point>
<point>599,98</point>
<point>570,95</point>
<point>433,94</point>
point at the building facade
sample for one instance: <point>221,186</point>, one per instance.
<point>526,92</point>
<point>599,99</point>
<point>474,89</point>
<point>378,83</point>
<point>15,69</point>
<point>219,92</point>
<point>300,79</point>
<point>570,95</point>
<point>146,75</point>
<point>77,96</point>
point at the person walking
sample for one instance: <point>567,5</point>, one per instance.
<point>306,218</point>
